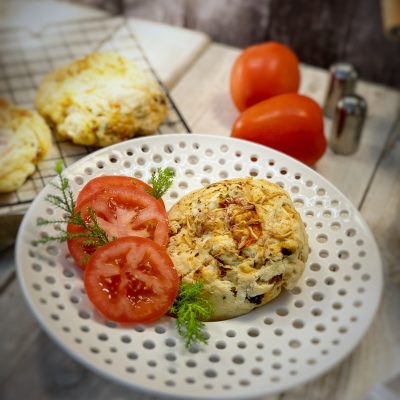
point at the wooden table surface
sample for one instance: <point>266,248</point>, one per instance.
<point>197,73</point>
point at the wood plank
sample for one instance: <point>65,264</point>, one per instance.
<point>351,174</point>
<point>209,109</point>
<point>374,361</point>
<point>37,368</point>
<point>34,367</point>
<point>203,93</point>
<point>170,50</point>
<point>377,358</point>
<point>7,268</point>
<point>385,223</point>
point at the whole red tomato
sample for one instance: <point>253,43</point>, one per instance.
<point>290,123</point>
<point>263,71</point>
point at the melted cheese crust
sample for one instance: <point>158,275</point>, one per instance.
<point>25,139</point>
<point>100,100</point>
<point>243,238</point>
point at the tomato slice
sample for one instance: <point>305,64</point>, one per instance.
<point>120,212</point>
<point>131,280</point>
<point>102,183</point>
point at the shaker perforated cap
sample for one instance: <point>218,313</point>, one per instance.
<point>347,124</point>
<point>343,79</point>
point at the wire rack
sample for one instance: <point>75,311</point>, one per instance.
<point>25,58</point>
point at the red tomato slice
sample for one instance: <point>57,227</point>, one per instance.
<point>131,280</point>
<point>102,183</point>
<point>122,211</point>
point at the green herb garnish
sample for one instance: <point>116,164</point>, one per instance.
<point>94,235</point>
<point>191,309</point>
<point>161,180</point>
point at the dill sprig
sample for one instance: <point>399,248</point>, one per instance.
<point>161,180</point>
<point>191,309</point>
<point>94,235</point>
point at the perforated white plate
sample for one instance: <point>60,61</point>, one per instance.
<point>294,338</point>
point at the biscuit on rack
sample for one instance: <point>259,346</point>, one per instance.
<point>242,238</point>
<point>100,100</point>
<point>25,139</point>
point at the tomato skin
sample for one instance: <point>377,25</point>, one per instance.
<point>102,183</point>
<point>120,211</point>
<point>131,280</point>
<point>290,123</point>
<point>263,71</point>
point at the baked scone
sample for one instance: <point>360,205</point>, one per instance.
<point>242,238</point>
<point>24,140</point>
<point>100,100</point>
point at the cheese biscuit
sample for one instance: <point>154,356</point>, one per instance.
<point>100,100</point>
<point>25,139</point>
<point>242,238</point>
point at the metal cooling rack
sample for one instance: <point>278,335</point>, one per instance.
<point>25,58</point>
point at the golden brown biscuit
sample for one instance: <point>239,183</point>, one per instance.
<point>100,100</point>
<point>242,238</point>
<point>24,140</point>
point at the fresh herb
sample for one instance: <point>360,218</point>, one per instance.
<point>94,235</point>
<point>191,309</point>
<point>161,180</point>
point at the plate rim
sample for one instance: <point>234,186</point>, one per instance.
<point>155,391</point>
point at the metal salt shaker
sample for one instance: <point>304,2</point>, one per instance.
<point>347,124</point>
<point>343,78</point>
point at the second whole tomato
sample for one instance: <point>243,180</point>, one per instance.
<point>263,71</point>
<point>290,123</point>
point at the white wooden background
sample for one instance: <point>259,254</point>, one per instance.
<point>32,367</point>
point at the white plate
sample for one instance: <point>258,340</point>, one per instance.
<point>291,340</point>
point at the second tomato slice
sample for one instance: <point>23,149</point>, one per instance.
<point>131,280</point>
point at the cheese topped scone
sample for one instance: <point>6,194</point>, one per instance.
<point>24,140</point>
<point>242,238</point>
<point>100,100</point>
